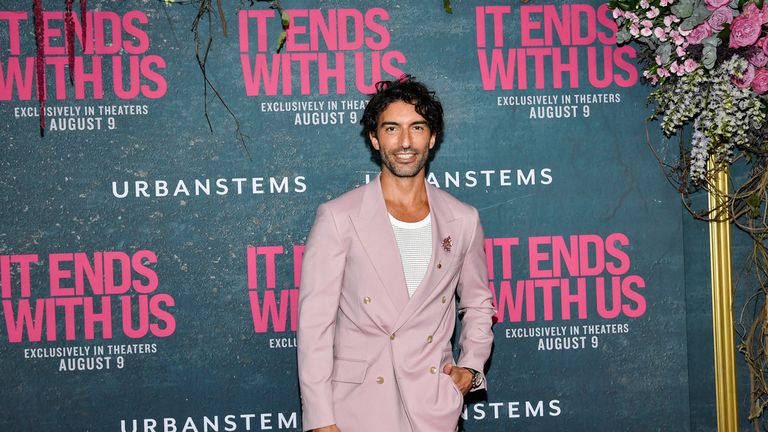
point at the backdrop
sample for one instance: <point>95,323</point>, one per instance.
<point>150,259</point>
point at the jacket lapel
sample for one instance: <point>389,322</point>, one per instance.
<point>375,233</point>
<point>445,235</point>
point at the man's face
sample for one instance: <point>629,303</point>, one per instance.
<point>403,140</point>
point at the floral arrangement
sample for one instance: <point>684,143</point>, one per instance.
<point>708,62</point>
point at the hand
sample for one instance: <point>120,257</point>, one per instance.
<point>461,377</point>
<point>331,428</point>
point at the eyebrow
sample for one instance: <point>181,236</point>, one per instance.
<point>393,123</point>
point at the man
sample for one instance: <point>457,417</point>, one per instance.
<point>382,269</point>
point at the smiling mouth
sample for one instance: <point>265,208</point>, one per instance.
<point>405,157</point>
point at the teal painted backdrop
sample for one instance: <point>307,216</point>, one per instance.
<point>149,266</point>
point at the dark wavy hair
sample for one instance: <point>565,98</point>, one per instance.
<point>405,89</point>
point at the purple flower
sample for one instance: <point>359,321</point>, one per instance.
<point>745,29</point>
<point>699,33</point>
<point>760,81</point>
<point>720,17</point>
<point>714,4</point>
<point>746,77</point>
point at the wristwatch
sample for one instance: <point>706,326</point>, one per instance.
<point>477,378</point>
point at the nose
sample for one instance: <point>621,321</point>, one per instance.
<point>405,140</point>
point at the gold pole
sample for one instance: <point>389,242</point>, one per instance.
<point>722,305</point>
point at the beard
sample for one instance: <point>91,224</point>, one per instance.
<point>400,169</point>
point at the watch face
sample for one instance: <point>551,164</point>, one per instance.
<point>477,379</point>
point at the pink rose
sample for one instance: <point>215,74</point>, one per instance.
<point>761,43</point>
<point>746,77</point>
<point>699,33</point>
<point>720,17</point>
<point>714,4</point>
<point>745,29</point>
<point>757,57</point>
<point>760,82</point>
<point>752,11</point>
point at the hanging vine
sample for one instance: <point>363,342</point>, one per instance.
<point>69,36</point>
<point>37,11</point>
<point>205,11</point>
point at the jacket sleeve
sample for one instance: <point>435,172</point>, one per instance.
<point>321,278</point>
<point>476,308</point>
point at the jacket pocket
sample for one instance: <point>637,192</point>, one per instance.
<point>349,371</point>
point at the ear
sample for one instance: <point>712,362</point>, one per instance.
<point>374,141</point>
<point>432,141</point>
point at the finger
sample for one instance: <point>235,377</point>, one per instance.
<point>447,369</point>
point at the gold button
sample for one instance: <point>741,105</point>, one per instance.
<point>380,380</point>
<point>439,265</point>
<point>433,370</point>
<point>429,339</point>
<point>443,299</point>
<point>366,300</point>
<point>392,336</point>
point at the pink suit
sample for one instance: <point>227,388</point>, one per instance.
<point>370,358</point>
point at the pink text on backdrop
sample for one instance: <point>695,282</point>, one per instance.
<point>269,305</point>
<point>559,39</point>
<point>83,293</point>
<point>318,43</point>
<point>112,43</point>
<point>567,278</point>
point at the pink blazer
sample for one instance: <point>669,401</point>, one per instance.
<point>370,357</point>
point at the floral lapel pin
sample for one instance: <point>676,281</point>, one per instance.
<point>447,244</point>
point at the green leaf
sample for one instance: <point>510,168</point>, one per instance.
<point>285,20</point>
<point>712,41</point>
<point>683,8</point>
<point>281,40</point>
<point>699,15</point>
<point>709,56</point>
<point>754,203</point>
<point>725,34</point>
<point>664,52</point>
<point>447,6</point>
<point>623,36</point>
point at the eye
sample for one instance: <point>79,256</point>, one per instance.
<point>419,128</point>
<point>390,129</point>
